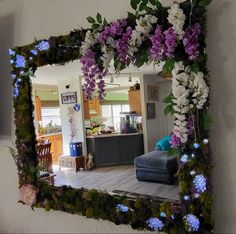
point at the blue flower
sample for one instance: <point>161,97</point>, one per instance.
<point>196,145</point>
<point>34,52</point>
<point>13,76</point>
<point>122,208</point>
<point>20,61</point>
<point>155,224</point>
<point>192,223</point>
<point>184,158</point>
<point>200,183</point>
<point>42,45</point>
<point>11,52</point>
<point>16,91</point>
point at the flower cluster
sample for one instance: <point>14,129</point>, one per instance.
<point>200,183</point>
<point>28,194</point>
<point>192,223</point>
<point>144,26</point>
<point>122,46</point>
<point>190,91</point>
<point>177,18</point>
<point>155,224</point>
<point>190,41</point>
<point>163,43</point>
<point>122,208</point>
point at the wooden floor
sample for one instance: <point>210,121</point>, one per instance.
<point>115,178</point>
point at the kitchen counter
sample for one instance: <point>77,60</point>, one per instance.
<point>115,149</point>
<point>114,135</point>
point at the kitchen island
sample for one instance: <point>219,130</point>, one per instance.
<point>115,149</point>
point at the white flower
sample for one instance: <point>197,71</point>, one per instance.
<point>169,3</point>
<point>177,18</point>
<point>88,42</point>
<point>108,55</point>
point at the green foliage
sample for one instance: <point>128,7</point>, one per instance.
<point>205,2</point>
<point>168,66</point>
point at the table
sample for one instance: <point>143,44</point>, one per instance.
<point>71,162</point>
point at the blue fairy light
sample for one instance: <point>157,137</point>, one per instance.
<point>42,45</point>
<point>122,208</point>
<point>184,158</point>
<point>13,76</point>
<point>155,224</point>
<point>16,90</point>
<point>193,155</point>
<point>20,61</point>
<point>163,214</point>
<point>11,52</point>
<point>196,145</point>
<point>31,58</point>
<point>205,141</point>
<point>186,197</point>
<point>193,172</point>
<point>11,61</point>
<point>200,183</point>
<point>172,216</point>
<point>34,52</point>
<point>192,223</point>
<point>196,195</point>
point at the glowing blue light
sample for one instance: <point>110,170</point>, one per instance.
<point>42,45</point>
<point>184,158</point>
<point>11,52</point>
<point>193,155</point>
<point>122,208</point>
<point>22,72</point>
<point>11,61</point>
<point>20,61</point>
<point>34,52</point>
<point>205,141</point>
<point>200,183</point>
<point>155,224</point>
<point>163,214</point>
<point>192,222</point>
<point>196,145</point>
<point>172,216</point>
<point>186,197</point>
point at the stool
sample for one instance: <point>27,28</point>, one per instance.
<point>156,166</point>
<point>71,162</point>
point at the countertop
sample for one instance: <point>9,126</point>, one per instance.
<point>50,134</point>
<point>115,135</point>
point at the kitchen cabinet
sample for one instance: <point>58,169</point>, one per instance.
<point>37,109</point>
<point>135,101</point>
<point>92,108</point>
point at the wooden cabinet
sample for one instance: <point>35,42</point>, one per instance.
<point>56,145</point>
<point>135,101</point>
<point>92,108</point>
<point>38,107</point>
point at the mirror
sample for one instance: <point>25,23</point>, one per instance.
<point>108,145</point>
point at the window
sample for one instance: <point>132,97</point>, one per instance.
<point>111,113</point>
<point>51,116</point>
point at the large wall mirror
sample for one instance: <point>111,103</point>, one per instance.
<point>112,122</point>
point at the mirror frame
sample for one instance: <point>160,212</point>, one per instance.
<point>192,213</point>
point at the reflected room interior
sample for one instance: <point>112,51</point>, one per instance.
<point>118,145</point>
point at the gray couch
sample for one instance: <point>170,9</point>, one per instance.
<point>156,166</point>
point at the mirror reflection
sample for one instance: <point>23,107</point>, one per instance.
<point>118,145</point>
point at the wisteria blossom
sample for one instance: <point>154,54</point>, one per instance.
<point>177,18</point>
<point>190,41</point>
<point>171,42</point>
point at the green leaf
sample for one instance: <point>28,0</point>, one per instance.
<point>195,68</point>
<point>169,65</point>
<point>105,22</point>
<point>207,121</point>
<point>158,4</point>
<point>142,6</point>
<point>168,99</point>
<point>168,109</point>
<point>205,3</point>
<point>153,2</point>
<point>95,26</point>
<point>131,16</point>
<point>135,3</point>
<point>148,9</point>
<point>99,18</point>
<point>91,20</point>
<point>173,152</point>
<point>194,3</point>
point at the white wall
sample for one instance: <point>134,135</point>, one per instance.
<point>77,117</point>
<point>22,20</point>
<point>155,129</point>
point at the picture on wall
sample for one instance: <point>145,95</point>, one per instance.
<point>151,110</point>
<point>153,93</point>
<point>68,98</point>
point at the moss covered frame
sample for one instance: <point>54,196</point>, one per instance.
<point>193,213</point>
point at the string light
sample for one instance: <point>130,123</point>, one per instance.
<point>200,183</point>
<point>155,224</point>
<point>122,208</point>
<point>184,158</point>
<point>192,222</point>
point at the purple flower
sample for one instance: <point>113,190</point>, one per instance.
<point>11,52</point>
<point>20,61</point>
<point>170,42</point>
<point>190,125</point>
<point>191,41</point>
<point>158,49</point>
<point>175,141</point>
<point>122,46</point>
<point>34,52</point>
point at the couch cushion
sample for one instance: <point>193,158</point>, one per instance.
<point>156,159</point>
